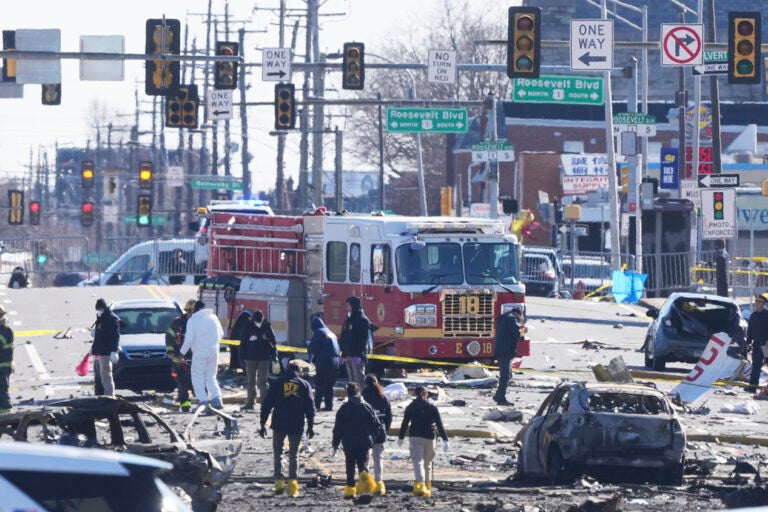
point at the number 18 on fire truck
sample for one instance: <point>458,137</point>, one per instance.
<point>433,286</point>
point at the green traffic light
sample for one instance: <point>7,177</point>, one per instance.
<point>744,67</point>
<point>143,220</point>
<point>42,259</point>
<point>524,63</point>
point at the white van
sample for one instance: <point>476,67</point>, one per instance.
<point>175,261</point>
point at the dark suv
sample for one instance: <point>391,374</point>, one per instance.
<point>144,363</point>
<point>541,271</point>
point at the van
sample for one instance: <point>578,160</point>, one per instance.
<point>542,271</point>
<point>174,261</point>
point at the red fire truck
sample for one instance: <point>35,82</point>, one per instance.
<point>431,286</point>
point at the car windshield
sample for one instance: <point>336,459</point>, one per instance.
<point>625,403</point>
<point>449,263</point>
<point>143,321</point>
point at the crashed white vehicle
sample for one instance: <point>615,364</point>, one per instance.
<point>589,427</point>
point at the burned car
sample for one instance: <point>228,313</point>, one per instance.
<point>200,467</point>
<point>681,329</point>
<point>605,429</point>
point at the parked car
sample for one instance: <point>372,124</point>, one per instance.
<point>603,428</point>
<point>50,477</point>
<point>541,271</point>
<point>143,362</point>
<point>586,274</point>
<point>681,329</point>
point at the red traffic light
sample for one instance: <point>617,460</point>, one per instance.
<point>87,207</point>
<point>34,207</point>
<point>745,28</point>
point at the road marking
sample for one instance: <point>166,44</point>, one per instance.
<point>39,367</point>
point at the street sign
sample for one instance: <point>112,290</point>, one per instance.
<point>718,180</point>
<point>212,183</point>
<point>718,213</point>
<point>689,189</point>
<point>441,66</point>
<point>576,90</point>
<point>643,124</point>
<point>711,68</point>
<point>682,45</point>
<point>592,45</point>
<point>576,229</point>
<point>276,64</point>
<point>219,104</point>
<point>426,120</point>
<point>493,151</point>
<point>174,176</point>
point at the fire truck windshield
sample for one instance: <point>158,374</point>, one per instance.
<point>451,264</point>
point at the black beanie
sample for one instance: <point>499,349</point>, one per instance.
<point>355,303</point>
<point>101,304</point>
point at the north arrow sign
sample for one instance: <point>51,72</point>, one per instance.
<point>718,180</point>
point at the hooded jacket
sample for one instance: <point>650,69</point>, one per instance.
<point>204,333</point>
<point>323,347</point>
<point>106,337</point>
<point>257,343</point>
<point>355,331</point>
<point>507,336</point>
<point>290,397</point>
<point>356,423</point>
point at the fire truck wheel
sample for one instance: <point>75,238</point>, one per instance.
<point>375,367</point>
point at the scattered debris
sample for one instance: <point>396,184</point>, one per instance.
<point>503,415</point>
<point>743,407</point>
<point>616,371</point>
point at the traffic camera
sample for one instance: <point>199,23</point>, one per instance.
<point>353,66</point>
<point>524,42</point>
<point>86,214</point>
<point>145,175</point>
<point>34,213</point>
<point>144,210</point>
<point>86,174</point>
<point>744,47</point>
<point>285,106</point>
<point>226,72</point>
<point>16,207</point>
<point>162,37</point>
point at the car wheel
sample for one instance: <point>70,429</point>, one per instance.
<point>558,470</point>
<point>659,364</point>
<point>648,358</point>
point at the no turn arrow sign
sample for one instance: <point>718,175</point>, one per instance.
<point>682,44</point>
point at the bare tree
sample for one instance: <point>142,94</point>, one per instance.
<point>458,25</point>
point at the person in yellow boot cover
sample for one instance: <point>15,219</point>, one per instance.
<point>355,427</point>
<point>422,416</point>
<point>373,393</point>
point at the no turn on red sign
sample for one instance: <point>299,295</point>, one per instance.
<point>682,45</point>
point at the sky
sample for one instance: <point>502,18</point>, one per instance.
<point>29,128</point>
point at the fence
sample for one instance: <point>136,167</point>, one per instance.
<point>47,261</point>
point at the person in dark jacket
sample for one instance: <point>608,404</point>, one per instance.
<point>422,416</point>
<point>374,395</point>
<point>324,351</point>
<point>290,397</point>
<point>757,336</point>
<point>354,340</point>
<point>257,350</point>
<point>174,339</point>
<point>356,424</point>
<point>507,336</point>
<point>106,340</point>
<point>6,362</point>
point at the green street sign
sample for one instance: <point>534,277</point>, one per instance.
<point>426,120</point>
<point>216,184</point>
<point>158,219</point>
<point>575,90</point>
<point>492,145</point>
<point>715,56</point>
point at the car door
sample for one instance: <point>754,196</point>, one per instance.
<point>538,435</point>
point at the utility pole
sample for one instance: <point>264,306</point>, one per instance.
<point>280,178</point>
<point>245,157</point>
<point>493,174</point>
<point>339,178</point>
<point>613,192</point>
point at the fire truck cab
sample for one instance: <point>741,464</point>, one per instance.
<point>431,286</point>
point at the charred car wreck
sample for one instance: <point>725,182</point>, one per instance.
<point>200,467</point>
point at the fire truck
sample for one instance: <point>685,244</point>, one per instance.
<point>432,287</point>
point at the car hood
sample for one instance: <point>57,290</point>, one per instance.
<point>130,341</point>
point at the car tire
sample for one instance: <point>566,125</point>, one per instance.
<point>559,472</point>
<point>648,358</point>
<point>659,364</point>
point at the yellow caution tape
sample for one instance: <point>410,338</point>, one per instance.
<point>41,332</point>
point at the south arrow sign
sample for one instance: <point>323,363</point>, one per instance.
<point>718,180</point>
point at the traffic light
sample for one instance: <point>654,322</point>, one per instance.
<point>16,207</point>
<point>9,65</point>
<point>163,36</point>
<point>144,210</point>
<point>145,175</point>
<point>744,47</point>
<point>181,107</point>
<point>226,72</point>
<point>34,213</point>
<point>718,205</point>
<point>285,107</point>
<point>86,213</point>
<point>353,66</point>
<point>524,42</point>
<point>446,201</point>
<point>51,94</point>
<point>86,174</point>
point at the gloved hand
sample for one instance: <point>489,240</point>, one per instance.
<point>356,360</point>
<point>310,432</point>
<point>114,357</point>
<point>333,452</point>
<point>263,432</point>
<point>400,441</point>
<point>446,446</point>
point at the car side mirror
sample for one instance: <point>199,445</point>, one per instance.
<point>652,313</point>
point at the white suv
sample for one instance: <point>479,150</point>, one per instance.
<point>49,477</point>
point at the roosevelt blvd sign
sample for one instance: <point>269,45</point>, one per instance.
<point>576,90</point>
<point>643,124</point>
<point>426,120</point>
<point>493,151</point>
<point>718,180</point>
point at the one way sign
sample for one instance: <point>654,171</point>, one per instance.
<point>718,180</point>
<point>219,104</point>
<point>592,45</point>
